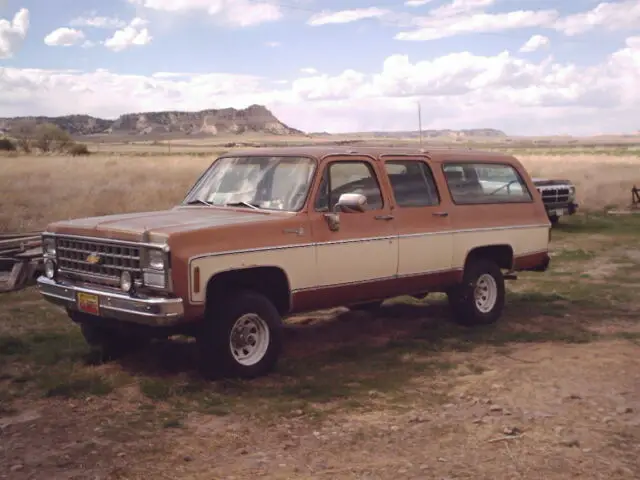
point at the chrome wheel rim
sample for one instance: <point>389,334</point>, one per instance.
<point>249,339</point>
<point>486,293</point>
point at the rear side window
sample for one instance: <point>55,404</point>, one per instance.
<point>485,183</point>
<point>412,183</point>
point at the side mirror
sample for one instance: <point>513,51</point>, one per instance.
<point>351,201</point>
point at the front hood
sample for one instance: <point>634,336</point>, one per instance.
<point>156,227</point>
<point>545,182</point>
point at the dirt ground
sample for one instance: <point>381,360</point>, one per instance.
<point>551,392</point>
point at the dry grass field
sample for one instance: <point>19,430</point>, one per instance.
<point>550,392</point>
<point>35,190</point>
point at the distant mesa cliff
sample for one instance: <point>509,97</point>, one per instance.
<point>255,118</point>
<point>445,133</point>
<point>473,132</point>
<point>226,121</point>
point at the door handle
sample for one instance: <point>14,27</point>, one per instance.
<point>383,217</point>
<point>440,214</point>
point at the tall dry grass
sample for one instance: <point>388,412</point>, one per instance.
<point>37,190</point>
<point>601,180</point>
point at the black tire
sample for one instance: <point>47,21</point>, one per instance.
<point>366,307</point>
<point>112,344</point>
<point>462,300</point>
<point>215,356</point>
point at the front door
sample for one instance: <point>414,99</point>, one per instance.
<point>358,261</point>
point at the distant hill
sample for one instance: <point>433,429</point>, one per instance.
<point>474,132</point>
<point>255,118</point>
<point>226,121</point>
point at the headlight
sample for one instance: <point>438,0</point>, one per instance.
<point>572,192</point>
<point>49,246</point>
<point>156,267</point>
<point>156,260</point>
<point>50,268</point>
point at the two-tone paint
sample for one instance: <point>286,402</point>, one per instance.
<point>374,255</point>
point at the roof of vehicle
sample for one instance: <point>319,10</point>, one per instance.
<point>322,151</point>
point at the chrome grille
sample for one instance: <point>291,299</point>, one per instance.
<point>74,260</point>
<point>555,195</point>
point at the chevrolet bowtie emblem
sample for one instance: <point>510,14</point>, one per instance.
<point>94,259</point>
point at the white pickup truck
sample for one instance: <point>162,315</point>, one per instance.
<point>558,196</point>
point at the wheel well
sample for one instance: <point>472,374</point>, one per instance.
<point>501,254</point>
<point>272,282</point>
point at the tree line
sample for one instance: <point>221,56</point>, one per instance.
<point>29,136</point>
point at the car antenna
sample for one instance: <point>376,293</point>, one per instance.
<point>420,123</point>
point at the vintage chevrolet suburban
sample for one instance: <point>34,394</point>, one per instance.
<point>269,232</point>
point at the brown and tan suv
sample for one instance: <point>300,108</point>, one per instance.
<point>265,233</point>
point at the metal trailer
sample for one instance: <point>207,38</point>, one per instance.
<point>20,260</point>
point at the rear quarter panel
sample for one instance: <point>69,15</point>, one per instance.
<point>522,226</point>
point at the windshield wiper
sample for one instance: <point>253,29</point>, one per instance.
<point>198,201</point>
<point>242,204</point>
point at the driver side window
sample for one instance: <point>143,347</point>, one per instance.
<point>348,177</point>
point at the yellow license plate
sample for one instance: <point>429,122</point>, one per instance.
<point>88,303</point>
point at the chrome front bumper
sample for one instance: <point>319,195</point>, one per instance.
<point>153,311</point>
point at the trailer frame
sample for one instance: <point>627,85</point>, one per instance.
<point>20,260</point>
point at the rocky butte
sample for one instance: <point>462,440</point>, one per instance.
<point>253,119</point>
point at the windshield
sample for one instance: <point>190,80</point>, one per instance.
<point>271,183</point>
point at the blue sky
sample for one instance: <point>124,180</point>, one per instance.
<point>373,60</point>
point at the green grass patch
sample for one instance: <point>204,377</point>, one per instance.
<point>589,223</point>
<point>74,384</point>
<point>578,255</point>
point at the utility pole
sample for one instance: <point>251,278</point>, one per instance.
<point>420,122</point>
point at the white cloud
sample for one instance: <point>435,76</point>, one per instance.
<point>309,71</point>
<point>457,7</point>
<point>458,90</point>
<point>347,16</point>
<point>133,34</point>
<point>417,3</point>
<point>433,27</point>
<point>64,37</point>
<point>98,22</point>
<point>610,15</point>
<point>13,33</point>
<point>273,44</point>
<point>236,13</point>
<point>534,43</point>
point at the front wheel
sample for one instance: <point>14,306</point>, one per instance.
<point>243,338</point>
<point>480,298</point>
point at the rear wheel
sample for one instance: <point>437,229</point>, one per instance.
<point>480,298</point>
<point>241,338</point>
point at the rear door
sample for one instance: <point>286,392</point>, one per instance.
<point>425,247</point>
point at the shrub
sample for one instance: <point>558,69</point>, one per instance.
<point>79,149</point>
<point>50,138</point>
<point>7,145</point>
